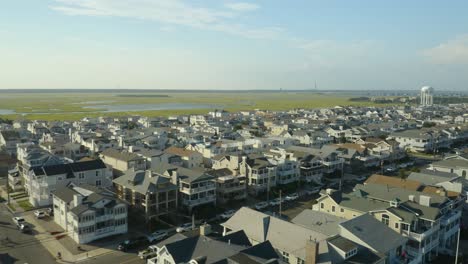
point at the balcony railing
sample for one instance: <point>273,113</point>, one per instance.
<point>198,201</point>
<point>450,217</point>
<point>198,189</point>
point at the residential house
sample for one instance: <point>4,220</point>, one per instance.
<point>46,179</point>
<point>196,187</point>
<point>147,192</point>
<point>230,186</point>
<point>87,213</point>
<point>122,160</point>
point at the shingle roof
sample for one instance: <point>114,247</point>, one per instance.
<point>120,155</point>
<point>371,231</point>
<point>283,235</point>
<point>394,182</point>
<point>144,181</point>
<point>451,163</point>
<point>318,221</point>
<point>70,168</point>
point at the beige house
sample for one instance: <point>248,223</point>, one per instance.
<point>122,160</point>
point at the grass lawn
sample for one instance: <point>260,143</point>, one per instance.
<point>25,205</point>
<point>74,106</point>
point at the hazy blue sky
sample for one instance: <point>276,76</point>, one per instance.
<point>224,44</point>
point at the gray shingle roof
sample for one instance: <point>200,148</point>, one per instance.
<point>373,233</point>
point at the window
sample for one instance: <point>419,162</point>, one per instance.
<point>81,175</point>
<point>322,205</point>
<point>98,183</point>
<point>285,256</point>
<point>351,253</point>
<point>97,173</point>
<point>333,208</point>
<point>396,225</point>
<point>342,210</point>
<point>300,261</point>
<point>385,219</point>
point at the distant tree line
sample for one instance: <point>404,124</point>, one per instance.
<point>142,95</point>
<point>6,121</point>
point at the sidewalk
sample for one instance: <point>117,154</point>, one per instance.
<point>56,240</point>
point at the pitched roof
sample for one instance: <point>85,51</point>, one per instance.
<point>451,163</point>
<point>70,168</point>
<point>120,155</point>
<point>323,223</point>
<point>394,182</point>
<point>371,231</point>
<point>283,235</point>
<point>144,181</point>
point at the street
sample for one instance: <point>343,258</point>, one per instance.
<point>21,248</point>
<point>25,248</point>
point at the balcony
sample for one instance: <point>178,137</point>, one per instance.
<point>104,217</point>
<point>198,189</point>
<point>419,235</point>
<point>204,200</point>
<point>450,217</point>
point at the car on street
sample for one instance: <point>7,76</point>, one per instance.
<point>157,236</point>
<point>361,178</point>
<point>24,228</point>
<point>39,214</point>
<point>184,227</point>
<point>18,220</point>
<point>133,243</point>
<point>275,202</point>
<point>292,197</point>
<point>150,252</point>
<point>227,214</point>
<point>261,205</point>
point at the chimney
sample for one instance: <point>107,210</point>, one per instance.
<point>425,200</point>
<point>77,199</point>
<point>175,177</point>
<point>312,252</point>
<point>205,229</point>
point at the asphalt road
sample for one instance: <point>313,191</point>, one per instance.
<point>21,248</point>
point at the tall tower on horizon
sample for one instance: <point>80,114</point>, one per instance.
<point>427,94</point>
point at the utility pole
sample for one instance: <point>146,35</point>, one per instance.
<point>458,244</point>
<point>280,201</point>
<point>268,184</point>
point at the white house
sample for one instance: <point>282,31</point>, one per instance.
<point>44,180</point>
<point>88,213</point>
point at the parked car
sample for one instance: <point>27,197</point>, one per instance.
<point>261,205</point>
<point>133,243</point>
<point>158,235</point>
<point>228,214</point>
<point>184,227</point>
<point>24,228</point>
<point>312,191</point>
<point>361,178</point>
<point>39,214</point>
<point>49,211</point>
<point>19,220</point>
<point>292,197</point>
<point>150,252</point>
<point>275,202</point>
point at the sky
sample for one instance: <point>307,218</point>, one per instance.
<point>229,44</point>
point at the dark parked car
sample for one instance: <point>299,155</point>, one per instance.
<point>133,243</point>
<point>25,228</point>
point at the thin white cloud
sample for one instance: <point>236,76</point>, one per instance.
<point>332,54</point>
<point>454,51</point>
<point>242,6</point>
<point>175,12</point>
